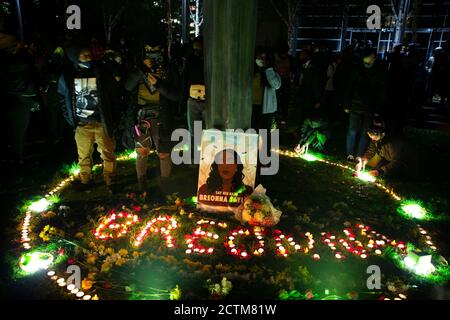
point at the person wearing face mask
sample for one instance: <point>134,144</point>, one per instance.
<point>265,83</point>
<point>365,93</point>
<point>153,87</point>
<point>91,100</point>
<point>18,90</point>
<point>387,154</point>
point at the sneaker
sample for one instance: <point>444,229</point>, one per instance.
<point>350,158</point>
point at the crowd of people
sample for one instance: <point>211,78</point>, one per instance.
<point>113,97</point>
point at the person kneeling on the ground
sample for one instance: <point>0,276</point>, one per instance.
<point>314,134</point>
<point>90,97</point>
<point>386,154</point>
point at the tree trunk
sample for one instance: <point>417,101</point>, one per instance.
<point>230,33</point>
<point>344,25</point>
<point>169,28</point>
<point>197,18</point>
<point>401,21</point>
<point>293,35</point>
<point>415,17</point>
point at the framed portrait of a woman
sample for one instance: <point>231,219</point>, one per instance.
<point>227,171</point>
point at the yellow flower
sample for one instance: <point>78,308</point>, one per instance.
<point>135,254</point>
<point>207,268</point>
<point>49,214</point>
<point>109,251</point>
<point>95,297</point>
<point>91,244</point>
<point>114,257</point>
<point>91,275</point>
<point>101,248</point>
<point>86,284</point>
<point>91,258</point>
<point>106,266</point>
<point>175,293</point>
<point>121,262</point>
<point>123,252</point>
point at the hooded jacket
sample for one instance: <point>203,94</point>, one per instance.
<point>393,150</point>
<point>110,93</point>
<point>169,94</point>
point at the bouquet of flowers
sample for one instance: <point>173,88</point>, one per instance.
<point>257,210</point>
<point>221,289</point>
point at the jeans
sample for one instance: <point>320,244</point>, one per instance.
<point>359,122</point>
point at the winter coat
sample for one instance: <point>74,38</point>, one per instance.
<point>169,94</point>
<point>110,92</point>
<point>393,150</point>
<point>270,96</point>
<point>366,89</point>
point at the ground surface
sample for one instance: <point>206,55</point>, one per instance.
<point>314,197</point>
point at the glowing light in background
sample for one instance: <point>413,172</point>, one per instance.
<point>34,261</point>
<point>40,205</point>
<point>365,176</point>
<point>133,155</point>
<point>420,265</point>
<point>74,169</point>
<point>309,157</point>
<point>413,209</point>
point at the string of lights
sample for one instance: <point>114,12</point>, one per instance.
<point>408,208</point>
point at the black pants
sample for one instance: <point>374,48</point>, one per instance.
<point>283,97</point>
<point>16,118</point>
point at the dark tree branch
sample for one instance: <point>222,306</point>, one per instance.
<point>279,13</point>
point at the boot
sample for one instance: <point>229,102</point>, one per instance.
<point>166,167</point>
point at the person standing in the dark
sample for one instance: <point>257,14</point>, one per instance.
<point>91,100</point>
<point>311,88</point>
<point>18,91</point>
<point>440,74</point>
<point>266,81</point>
<point>365,94</point>
<point>399,90</point>
<point>153,87</point>
<point>195,91</point>
<point>283,65</point>
<point>330,100</point>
